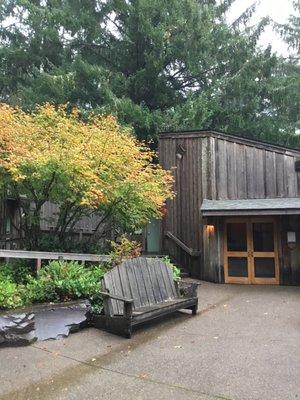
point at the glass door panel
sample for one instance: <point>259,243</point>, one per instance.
<point>250,251</point>
<point>263,236</point>
<point>264,253</point>
<point>237,236</point>
<point>236,267</point>
<point>264,267</point>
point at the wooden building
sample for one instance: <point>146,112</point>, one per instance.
<point>236,216</point>
<point>10,221</point>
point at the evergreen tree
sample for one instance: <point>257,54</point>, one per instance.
<point>155,65</point>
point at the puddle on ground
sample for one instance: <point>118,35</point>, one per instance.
<point>39,324</point>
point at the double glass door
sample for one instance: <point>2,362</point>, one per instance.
<point>251,251</point>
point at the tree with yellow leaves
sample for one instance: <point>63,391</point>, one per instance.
<point>92,166</point>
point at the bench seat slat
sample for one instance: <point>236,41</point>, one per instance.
<point>160,279</point>
<point>165,304</point>
<point>124,282</point>
<point>148,283</point>
<point>115,306</point>
<point>167,285</point>
<point>155,283</point>
<point>139,267</point>
<point>161,310</point>
<point>126,275</point>
<point>169,282</point>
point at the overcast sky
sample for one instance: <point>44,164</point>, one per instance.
<point>278,10</point>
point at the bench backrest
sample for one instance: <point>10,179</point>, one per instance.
<point>148,281</point>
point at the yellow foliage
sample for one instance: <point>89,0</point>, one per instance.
<point>53,155</point>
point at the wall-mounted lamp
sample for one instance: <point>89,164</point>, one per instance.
<point>210,229</point>
<point>291,239</point>
<point>180,151</point>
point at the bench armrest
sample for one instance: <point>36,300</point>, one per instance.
<point>116,297</point>
<point>187,289</point>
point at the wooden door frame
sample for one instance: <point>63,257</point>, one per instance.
<point>272,254</point>
<point>250,254</point>
<point>244,254</point>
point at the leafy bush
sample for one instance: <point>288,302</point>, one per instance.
<point>63,281</point>
<point>124,249</point>
<point>175,270</point>
<point>58,281</point>
<point>69,244</point>
<point>17,271</point>
<point>10,295</point>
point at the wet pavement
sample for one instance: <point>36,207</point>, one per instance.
<point>244,344</point>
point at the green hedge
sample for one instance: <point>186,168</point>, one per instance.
<point>58,281</point>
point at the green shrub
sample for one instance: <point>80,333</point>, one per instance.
<point>96,301</point>
<point>11,296</point>
<point>17,271</point>
<point>123,249</point>
<point>51,242</point>
<point>58,281</point>
<point>175,270</point>
<point>63,281</point>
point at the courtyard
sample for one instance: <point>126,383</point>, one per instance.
<point>242,345</point>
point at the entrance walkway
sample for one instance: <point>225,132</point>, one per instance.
<point>243,345</point>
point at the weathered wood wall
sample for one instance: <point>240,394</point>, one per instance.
<point>9,220</point>
<point>184,218</point>
<point>218,166</point>
<point>241,171</point>
<point>50,214</point>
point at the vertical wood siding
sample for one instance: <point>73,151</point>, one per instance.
<point>247,172</point>
<point>50,215</point>
<point>213,167</point>
<point>184,219</point>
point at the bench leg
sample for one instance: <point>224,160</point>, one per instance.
<point>194,309</point>
<point>119,326</point>
<point>128,332</point>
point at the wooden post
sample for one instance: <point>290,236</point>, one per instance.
<point>38,264</point>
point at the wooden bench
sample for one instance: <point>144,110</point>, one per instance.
<point>141,290</point>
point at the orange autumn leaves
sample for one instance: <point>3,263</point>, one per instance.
<point>51,154</point>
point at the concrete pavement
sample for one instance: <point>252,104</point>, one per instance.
<point>243,345</point>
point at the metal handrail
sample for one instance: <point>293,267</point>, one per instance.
<point>183,246</point>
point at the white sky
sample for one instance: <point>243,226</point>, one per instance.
<point>278,10</point>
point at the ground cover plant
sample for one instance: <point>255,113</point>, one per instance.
<point>175,269</point>
<point>58,281</point>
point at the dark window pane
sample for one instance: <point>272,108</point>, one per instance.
<point>236,237</point>
<point>237,266</point>
<point>264,267</point>
<point>263,236</point>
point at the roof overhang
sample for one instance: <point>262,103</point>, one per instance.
<point>241,139</point>
<point>277,206</point>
